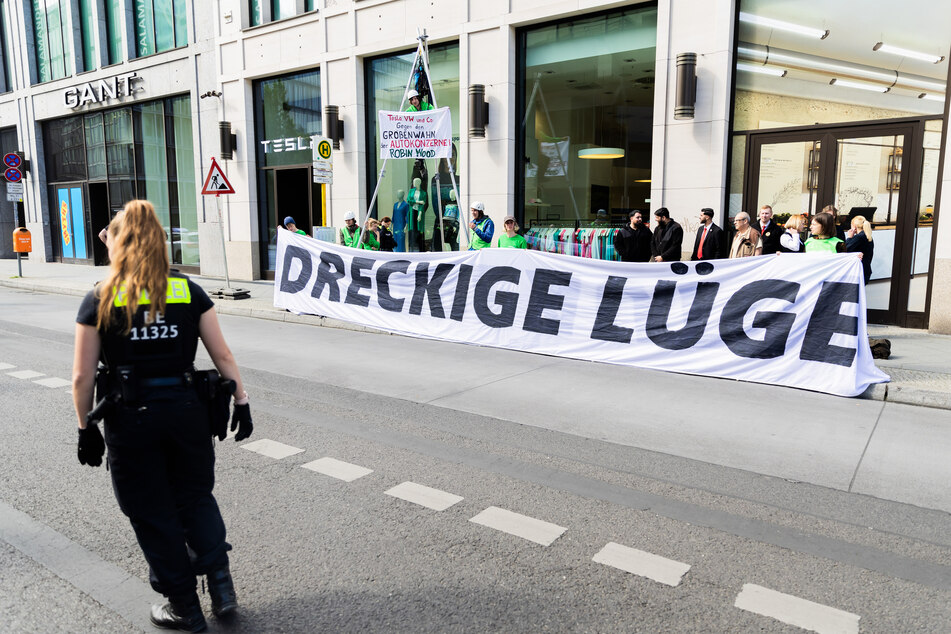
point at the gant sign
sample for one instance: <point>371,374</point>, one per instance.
<point>102,90</point>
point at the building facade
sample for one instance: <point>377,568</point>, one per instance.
<point>593,110</point>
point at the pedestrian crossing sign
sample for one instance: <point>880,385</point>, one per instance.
<point>216,183</point>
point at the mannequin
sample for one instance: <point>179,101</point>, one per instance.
<point>450,225</point>
<point>400,213</point>
<point>418,201</point>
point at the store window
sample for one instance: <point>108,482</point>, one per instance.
<point>52,39</point>
<point>835,109</point>
<point>87,34</point>
<point>160,25</point>
<point>264,11</point>
<point>8,209</point>
<point>287,115</point>
<point>386,80</point>
<point>114,30</point>
<point>585,118</point>
<point>99,161</point>
<point>6,83</point>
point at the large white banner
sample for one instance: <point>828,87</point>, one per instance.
<point>415,135</point>
<point>795,319</point>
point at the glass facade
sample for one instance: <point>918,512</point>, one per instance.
<point>114,30</point>
<point>160,25</point>
<point>585,118</point>
<point>828,111</point>
<point>8,219</point>
<point>87,34</point>
<point>386,79</point>
<point>99,161</point>
<point>287,115</point>
<point>53,48</point>
<point>6,82</point>
<point>276,9</point>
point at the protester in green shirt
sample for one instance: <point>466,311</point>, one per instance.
<point>416,104</point>
<point>350,234</point>
<point>291,226</point>
<point>511,239</point>
<point>823,238</point>
<point>371,242</point>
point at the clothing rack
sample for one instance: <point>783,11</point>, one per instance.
<point>596,242</point>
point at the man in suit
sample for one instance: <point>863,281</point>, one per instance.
<point>709,242</point>
<point>667,243</point>
<point>769,230</point>
<point>633,241</point>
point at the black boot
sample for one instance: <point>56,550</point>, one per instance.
<point>224,601</point>
<point>180,613</point>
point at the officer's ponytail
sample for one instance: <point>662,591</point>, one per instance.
<point>139,264</point>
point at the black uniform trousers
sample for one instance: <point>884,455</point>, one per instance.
<point>162,463</point>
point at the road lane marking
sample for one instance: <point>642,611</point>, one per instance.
<point>271,448</point>
<point>53,381</point>
<point>6,366</point>
<point>25,374</point>
<point>125,594</point>
<point>534,530</point>
<point>338,469</point>
<point>642,563</point>
<point>795,611</point>
<point>424,496</point>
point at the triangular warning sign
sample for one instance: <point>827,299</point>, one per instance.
<point>216,183</point>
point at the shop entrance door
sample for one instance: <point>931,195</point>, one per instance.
<point>99,213</point>
<point>873,171</point>
<point>291,192</point>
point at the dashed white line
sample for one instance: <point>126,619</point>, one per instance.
<point>642,563</point>
<point>6,366</point>
<point>338,469</point>
<point>25,374</point>
<point>53,381</point>
<point>424,496</point>
<point>795,611</point>
<point>534,530</point>
<point>271,448</point>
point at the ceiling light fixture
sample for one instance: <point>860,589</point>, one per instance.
<point>904,52</point>
<point>784,26</point>
<point>854,84</point>
<point>762,70</point>
<point>601,153</point>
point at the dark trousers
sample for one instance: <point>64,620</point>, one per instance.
<point>162,463</point>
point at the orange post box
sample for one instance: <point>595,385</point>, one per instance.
<point>22,240</point>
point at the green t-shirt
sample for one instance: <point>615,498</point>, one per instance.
<point>423,105</point>
<point>518,242</point>
<point>301,232</point>
<point>822,245</point>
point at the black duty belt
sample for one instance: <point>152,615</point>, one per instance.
<point>181,380</point>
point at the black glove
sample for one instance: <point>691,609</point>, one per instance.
<point>91,446</point>
<point>241,420</point>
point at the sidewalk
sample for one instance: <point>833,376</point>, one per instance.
<point>920,365</point>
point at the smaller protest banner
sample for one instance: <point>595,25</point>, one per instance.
<point>415,135</point>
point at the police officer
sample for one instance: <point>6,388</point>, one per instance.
<point>143,323</point>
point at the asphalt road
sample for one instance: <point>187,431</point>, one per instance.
<point>314,552</point>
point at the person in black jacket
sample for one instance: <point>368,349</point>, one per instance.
<point>387,241</point>
<point>667,244</point>
<point>709,242</point>
<point>858,239</point>
<point>633,241</point>
<point>769,230</point>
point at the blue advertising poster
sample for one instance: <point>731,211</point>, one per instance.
<point>65,222</point>
<point>78,223</point>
